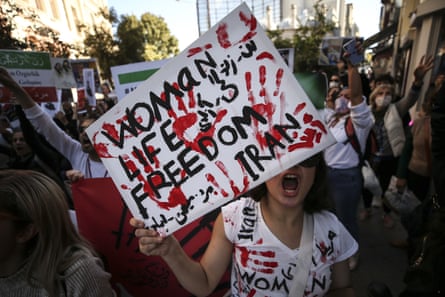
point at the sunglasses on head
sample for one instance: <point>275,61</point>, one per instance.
<point>311,161</point>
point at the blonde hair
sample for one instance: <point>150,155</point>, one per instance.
<point>33,198</point>
<point>377,90</point>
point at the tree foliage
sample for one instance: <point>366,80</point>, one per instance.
<point>131,40</point>
<point>7,14</point>
<point>306,40</point>
<point>135,40</point>
<point>100,44</point>
<point>147,39</point>
<point>162,43</point>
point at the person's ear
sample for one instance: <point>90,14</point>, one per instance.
<point>26,233</point>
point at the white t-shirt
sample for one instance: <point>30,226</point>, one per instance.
<point>342,155</point>
<point>262,264</point>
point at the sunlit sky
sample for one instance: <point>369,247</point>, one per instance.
<point>180,15</point>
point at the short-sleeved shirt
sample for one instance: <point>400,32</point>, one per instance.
<point>263,265</point>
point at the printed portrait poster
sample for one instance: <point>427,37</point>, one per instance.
<point>89,86</point>
<point>78,65</point>
<point>32,71</point>
<point>331,50</point>
<point>63,73</point>
<point>220,118</point>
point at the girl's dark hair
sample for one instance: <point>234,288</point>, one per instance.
<point>317,197</point>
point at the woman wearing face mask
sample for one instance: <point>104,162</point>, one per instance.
<point>344,171</point>
<point>334,81</point>
<point>389,129</point>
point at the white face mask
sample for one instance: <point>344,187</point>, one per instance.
<point>383,100</point>
<point>334,84</point>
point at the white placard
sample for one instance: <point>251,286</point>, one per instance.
<point>222,117</point>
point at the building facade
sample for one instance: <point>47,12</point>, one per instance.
<point>279,14</point>
<point>422,32</point>
<point>40,20</point>
<point>410,29</point>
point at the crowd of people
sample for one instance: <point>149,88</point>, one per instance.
<point>296,213</point>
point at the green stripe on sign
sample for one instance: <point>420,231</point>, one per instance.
<point>24,60</point>
<point>136,76</point>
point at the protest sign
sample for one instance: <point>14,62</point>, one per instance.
<point>127,77</point>
<point>331,50</point>
<point>32,71</point>
<point>63,73</point>
<point>288,55</point>
<point>89,86</point>
<point>51,108</point>
<point>132,273</point>
<point>78,65</point>
<point>222,117</point>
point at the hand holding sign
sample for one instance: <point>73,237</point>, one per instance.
<point>153,243</point>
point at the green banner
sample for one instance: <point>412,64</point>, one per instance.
<point>24,60</point>
<point>136,76</point>
<point>315,86</point>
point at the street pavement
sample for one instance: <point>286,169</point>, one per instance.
<point>379,261</point>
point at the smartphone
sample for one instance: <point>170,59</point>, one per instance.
<point>355,58</point>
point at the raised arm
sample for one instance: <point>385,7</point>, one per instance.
<point>41,121</point>
<point>411,97</point>
<point>355,85</point>
<point>22,96</point>
<point>354,79</point>
<point>424,66</point>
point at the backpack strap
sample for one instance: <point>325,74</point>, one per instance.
<point>352,138</point>
<point>304,259</point>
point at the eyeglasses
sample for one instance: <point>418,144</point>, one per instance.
<point>310,162</point>
<point>336,80</point>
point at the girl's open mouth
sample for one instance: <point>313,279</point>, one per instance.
<point>290,182</point>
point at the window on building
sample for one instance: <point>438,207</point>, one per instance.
<point>75,17</point>
<point>439,63</point>
<point>55,9</point>
<point>40,5</point>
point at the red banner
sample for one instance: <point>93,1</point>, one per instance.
<point>103,219</point>
<point>38,94</point>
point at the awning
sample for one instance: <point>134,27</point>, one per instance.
<point>382,35</point>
